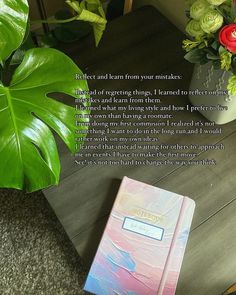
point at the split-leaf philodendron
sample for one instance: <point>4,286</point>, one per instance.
<point>28,152</point>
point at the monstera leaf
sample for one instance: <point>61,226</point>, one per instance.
<point>28,153</point>
<point>13,23</point>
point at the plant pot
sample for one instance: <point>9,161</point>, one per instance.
<point>206,78</point>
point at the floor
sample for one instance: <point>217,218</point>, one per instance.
<point>36,255</point>
<point>145,42</point>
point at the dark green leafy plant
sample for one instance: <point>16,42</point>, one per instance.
<point>85,11</point>
<point>28,153</point>
<point>69,32</point>
<point>92,12</point>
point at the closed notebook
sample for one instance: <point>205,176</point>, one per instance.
<point>142,247</point>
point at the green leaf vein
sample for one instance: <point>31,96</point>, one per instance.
<point>12,113</point>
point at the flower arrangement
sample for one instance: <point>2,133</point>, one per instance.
<point>212,35</point>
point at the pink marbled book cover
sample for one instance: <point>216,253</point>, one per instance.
<point>142,247</point>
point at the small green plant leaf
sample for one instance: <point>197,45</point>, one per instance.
<point>215,45</point>
<point>74,5</point>
<point>212,56</point>
<point>98,23</point>
<point>28,151</point>
<point>188,44</point>
<point>222,50</point>
<point>91,11</point>
<point>233,11</point>
<point>233,64</point>
<point>225,60</point>
<point>232,85</point>
<point>13,20</point>
<point>196,56</point>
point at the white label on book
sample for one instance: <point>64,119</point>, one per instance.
<point>143,228</point>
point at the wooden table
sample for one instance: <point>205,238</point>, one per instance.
<point>145,42</point>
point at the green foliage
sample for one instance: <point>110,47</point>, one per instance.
<point>188,45</point>
<point>221,50</point>
<point>200,43</point>
<point>99,24</point>
<point>233,64</point>
<point>90,11</point>
<point>196,55</point>
<point>215,45</point>
<point>28,113</point>
<point>28,150</point>
<point>226,11</point>
<point>232,85</point>
<point>233,11</point>
<point>13,20</point>
<point>72,31</point>
<point>211,56</point>
<point>225,59</point>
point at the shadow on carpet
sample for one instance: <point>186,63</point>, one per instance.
<point>36,256</point>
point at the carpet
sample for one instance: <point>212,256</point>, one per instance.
<point>36,256</point>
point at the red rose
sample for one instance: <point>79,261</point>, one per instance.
<point>227,37</point>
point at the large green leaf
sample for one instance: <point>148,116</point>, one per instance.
<point>28,153</point>
<point>13,23</point>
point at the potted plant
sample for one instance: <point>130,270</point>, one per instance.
<point>28,114</point>
<point>212,47</point>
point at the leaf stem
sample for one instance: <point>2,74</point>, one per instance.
<point>221,12</point>
<point>13,117</point>
<point>54,21</point>
<point>1,71</point>
<point>6,72</point>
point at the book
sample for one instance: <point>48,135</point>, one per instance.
<point>143,244</point>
